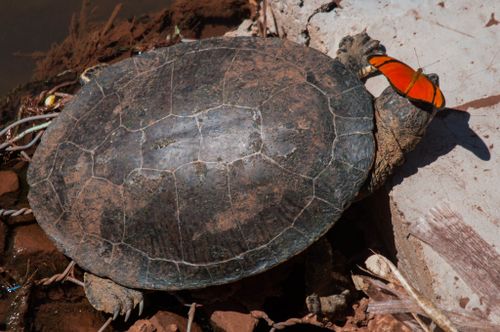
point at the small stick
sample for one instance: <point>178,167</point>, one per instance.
<point>24,133</point>
<point>385,269</point>
<point>191,312</point>
<point>294,321</point>
<point>103,327</point>
<point>15,213</point>
<point>75,281</point>
<point>62,85</point>
<point>59,277</point>
<point>276,28</point>
<point>30,118</point>
<point>63,94</point>
<point>264,5</point>
<point>262,315</point>
<point>419,321</point>
<point>27,146</point>
<point>307,319</point>
<point>25,156</point>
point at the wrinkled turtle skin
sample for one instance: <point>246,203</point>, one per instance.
<point>203,163</point>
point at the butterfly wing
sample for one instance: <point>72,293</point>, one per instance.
<point>439,100</point>
<point>399,74</point>
<point>426,91</point>
<point>408,82</point>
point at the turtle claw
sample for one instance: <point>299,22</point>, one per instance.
<point>127,315</point>
<point>141,307</point>
<point>105,295</point>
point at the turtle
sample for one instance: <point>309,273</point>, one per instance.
<point>206,162</point>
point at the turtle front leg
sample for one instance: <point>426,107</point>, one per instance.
<point>105,295</point>
<point>354,50</point>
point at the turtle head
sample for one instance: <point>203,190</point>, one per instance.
<point>399,123</point>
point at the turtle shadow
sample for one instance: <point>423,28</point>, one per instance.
<point>447,130</point>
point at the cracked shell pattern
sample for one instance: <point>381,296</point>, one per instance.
<point>202,163</point>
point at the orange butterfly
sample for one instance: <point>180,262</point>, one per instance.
<point>410,83</point>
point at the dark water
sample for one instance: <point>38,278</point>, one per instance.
<point>33,25</point>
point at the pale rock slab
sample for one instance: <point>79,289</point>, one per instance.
<point>293,16</point>
<point>458,160</point>
<point>450,166</point>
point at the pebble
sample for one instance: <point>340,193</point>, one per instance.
<point>233,321</point>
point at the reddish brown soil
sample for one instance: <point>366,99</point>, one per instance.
<point>28,255</point>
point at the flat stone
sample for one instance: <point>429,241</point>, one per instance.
<point>142,325</point>
<point>164,321</point>
<point>232,321</point>
<point>381,323</point>
<point>30,243</point>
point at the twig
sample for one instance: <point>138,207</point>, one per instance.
<point>15,213</point>
<point>75,281</point>
<point>24,133</point>
<point>81,24</point>
<point>30,118</point>
<point>63,95</point>
<point>103,327</point>
<point>65,275</point>
<point>264,5</point>
<point>308,319</point>
<point>27,146</point>
<point>419,321</point>
<point>385,269</point>
<point>191,312</point>
<point>382,302</point>
<point>262,315</point>
<point>62,85</point>
<point>276,28</point>
<point>25,156</point>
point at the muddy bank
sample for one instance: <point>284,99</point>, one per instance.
<point>89,43</point>
<point>33,25</point>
